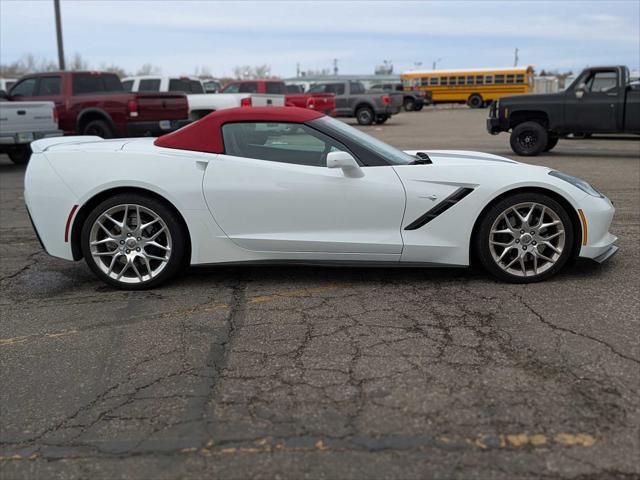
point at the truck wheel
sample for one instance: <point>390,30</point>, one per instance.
<point>475,101</point>
<point>418,107</point>
<point>382,118</point>
<point>529,139</point>
<point>409,104</point>
<point>99,128</point>
<point>365,116</point>
<point>20,155</point>
<point>552,142</point>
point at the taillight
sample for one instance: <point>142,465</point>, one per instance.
<point>245,102</point>
<point>386,99</point>
<point>132,106</point>
<point>56,118</point>
<point>311,103</point>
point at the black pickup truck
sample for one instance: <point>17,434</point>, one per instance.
<point>600,100</point>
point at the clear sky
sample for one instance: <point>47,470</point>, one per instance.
<point>179,36</point>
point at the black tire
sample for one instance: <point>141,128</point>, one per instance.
<point>168,216</point>
<point>382,118</point>
<point>529,139</point>
<point>481,241</point>
<point>409,104</point>
<point>99,128</point>
<point>551,143</point>
<point>418,107</point>
<point>475,101</point>
<point>20,155</point>
<point>365,116</point>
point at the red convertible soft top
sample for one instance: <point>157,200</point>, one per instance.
<point>205,135</point>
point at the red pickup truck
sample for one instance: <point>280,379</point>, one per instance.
<point>94,103</point>
<point>323,102</point>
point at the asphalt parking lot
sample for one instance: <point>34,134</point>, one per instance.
<point>306,372</point>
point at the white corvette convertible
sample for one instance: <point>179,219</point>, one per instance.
<point>292,185</point>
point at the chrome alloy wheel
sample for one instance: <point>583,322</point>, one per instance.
<point>527,239</point>
<point>130,243</point>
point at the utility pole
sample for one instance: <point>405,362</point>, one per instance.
<point>515,58</point>
<point>298,69</point>
<point>335,66</point>
<point>56,7</point>
<point>435,62</point>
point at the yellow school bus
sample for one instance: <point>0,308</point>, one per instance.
<point>476,87</point>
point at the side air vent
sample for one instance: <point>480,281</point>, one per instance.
<point>424,156</point>
<point>442,207</point>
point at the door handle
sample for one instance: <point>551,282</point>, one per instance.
<point>21,112</point>
<point>430,197</point>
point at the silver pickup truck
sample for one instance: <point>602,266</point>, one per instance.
<point>23,122</point>
<point>353,101</point>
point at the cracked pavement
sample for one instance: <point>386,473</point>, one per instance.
<point>307,372</point>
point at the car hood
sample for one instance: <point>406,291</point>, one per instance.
<point>530,98</point>
<point>462,157</point>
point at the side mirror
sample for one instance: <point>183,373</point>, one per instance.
<point>580,89</point>
<point>344,161</point>
<point>3,95</point>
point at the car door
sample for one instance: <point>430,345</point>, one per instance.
<point>272,192</point>
<point>593,105</point>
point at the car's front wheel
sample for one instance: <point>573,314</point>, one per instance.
<point>133,241</point>
<point>19,155</point>
<point>524,238</point>
<point>529,139</point>
<point>409,105</point>
<point>365,116</point>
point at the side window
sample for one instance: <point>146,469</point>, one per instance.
<point>48,86</point>
<point>232,88</point>
<point>488,79</point>
<point>292,143</point>
<point>275,88</point>
<point>179,85</point>
<point>520,78</point>
<point>433,81</point>
<point>355,88</point>
<point>196,86</point>
<point>510,78</point>
<point>603,81</point>
<point>479,79</point>
<point>248,87</point>
<point>25,88</point>
<point>452,80</point>
<point>469,79</point>
<point>444,81</point>
<point>499,79</point>
<point>127,85</point>
<point>149,85</point>
<point>460,80</point>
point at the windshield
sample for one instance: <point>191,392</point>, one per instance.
<point>392,154</point>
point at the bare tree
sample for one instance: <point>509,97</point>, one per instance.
<point>149,69</point>
<point>246,72</point>
<point>202,72</point>
<point>77,63</point>
<point>114,69</point>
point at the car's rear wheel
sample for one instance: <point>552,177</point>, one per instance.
<point>99,128</point>
<point>409,104</point>
<point>529,139</point>
<point>419,106</point>
<point>365,116</point>
<point>525,238</point>
<point>475,101</point>
<point>133,241</point>
<point>19,155</point>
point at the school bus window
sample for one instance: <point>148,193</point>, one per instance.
<point>519,78</point>
<point>499,79</point>
<point>406,82</point>
<point>510,78</point>
<point>460,80</point>
<point>470,80</point>
<point>443,81</point>
<point>479,79</point>
<point>433,81</point>
<point>424,81</point>
<point>452,80</point>
<point>488,79</point>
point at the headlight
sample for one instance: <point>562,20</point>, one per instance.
<point>577,182</point>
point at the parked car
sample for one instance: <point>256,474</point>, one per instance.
<point>7,83</point>
<point>211,85</point>
<point>95,103</point>
<point>255,185</point>
<point>322,102</point>
<point>600,100</point>
<point>200,103</point>
<point>353,101</point>
<point>413,100</point>
<point>23,122</point>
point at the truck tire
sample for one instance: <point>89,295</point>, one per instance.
<point>409,104</point>
<point>99,128</point>
<point>551,143</point>
<point>382,118</point>
<point>529,139</point>
<point>365,116</point>
<point>19,155</point>
<point>475,101</point>
<point>419,107</point>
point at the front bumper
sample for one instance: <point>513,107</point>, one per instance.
<point>155,128</point>
<point>610,252</point>
<point>597,242</point>
<point>23,138</point>
<point>495,126</point>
